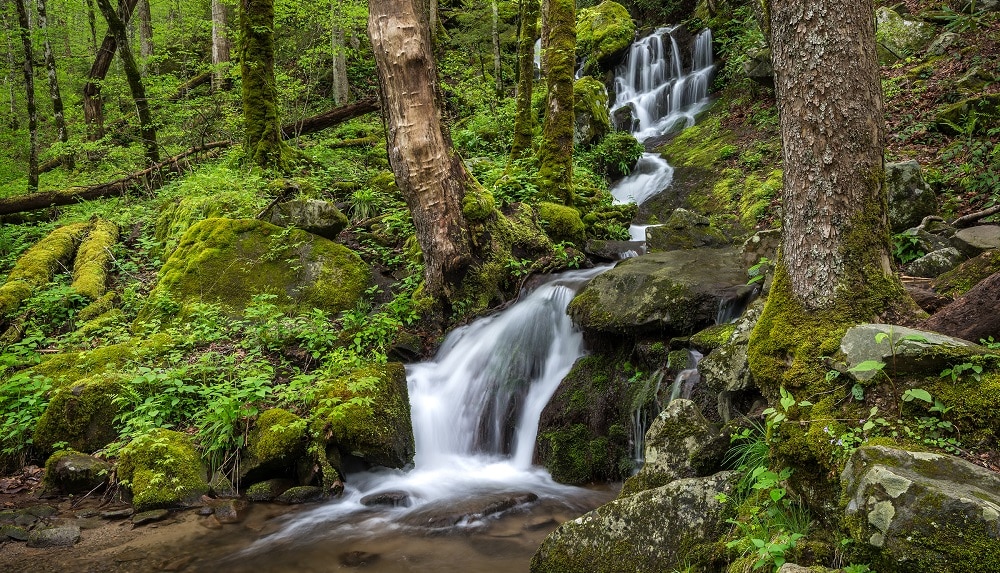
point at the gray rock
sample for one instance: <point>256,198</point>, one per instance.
<point>42,510</point>
<point>149,516</point>
<point>15,532</point>
<point>943,43</point>
<point>726,371</point>
<point>934,263</point>
<point>761,245</point>
<point>910,197</point>
<point>117,513</point>
<point>898,37</point>
<point>673,292</point>
<point>653,530</point>
<point>61,536</point>
<point>910,350</point>
<point>675,440</point>
<point>923,511</point>
<point>301,494</point>
<point>450,513</point>
<point>317,217</point>
<point>975,240</point>
<point>623,118</point>
<point>74,472</point>
<point>758,67</point>
<point>387,498</point>
<point>220,486</point>
<point>229,510</point>
<point>269,489</point>
<point>794,568</point>
<point>613,250</point>
<point>927,241</point>
<point>684,230</point>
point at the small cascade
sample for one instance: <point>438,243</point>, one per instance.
<point>686,379</point>
<point>732,306</point>
<point>641,418</point>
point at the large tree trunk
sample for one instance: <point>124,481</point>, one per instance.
<point>93,104</point>
<point>497,63</point>
<point>555,176</point>
<point>29,86</point>
<point>341,88</point>
<point>263,144</point>
<point>54,94</point>
<point>430,175</point>
<point>146,128</point>
<point>220,46</point>
<point>524,121</point>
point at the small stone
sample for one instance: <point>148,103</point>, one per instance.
<point>389,498</point>
<point>301,494</point>
<point>205,510</point>
<point>7,516</point>
<point>117,513</point>
<point>75,472</point>
<point>149,517</point>
<point>210,522</point>
<point>230,510</point>
<point>62,536</point>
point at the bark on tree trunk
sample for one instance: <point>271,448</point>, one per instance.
<point>145,29</point>
<point>430,175</point>
<point>146,128</point>
<point>92,20</point>
<point>54,93</point>
<point>830,107</point>
<point>29,86</point>
<point>497,63</point>
<point>524,121</point>
<point>12,121</point>
<point>220,46</point>
<point>93,104</point>
<point>341,88</point>
<point>555,175</point>
<point>263,144</point>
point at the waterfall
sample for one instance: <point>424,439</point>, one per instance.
<point>686,379</point>
<point>652,84</point>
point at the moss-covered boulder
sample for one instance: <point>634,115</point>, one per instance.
<point>178,215</point>
<point>229,261</point>
<point>583,432</point>
<point>725,371</point>
<point>912,512</point>
<point>962,278</point>
<point>274,445</point>
<point>653,530</point>
<point>366,414</point>
<point>898,37</point>
<point>561,223</point>
<point>80,415</point>
<point>590,109</point>
<point>70,472</point>
<point>162,469</point>
<point>680,443</point>
<point>90,269</point>
<point>317,217</point>
<point>35,268</point>
<point>910,197</point>
<point>674,292</point>
<point>958,118</point>
<point>684,230</point>
<point>603,33</point>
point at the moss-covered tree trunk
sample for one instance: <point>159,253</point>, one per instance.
<point>429,173</point>
<point>555,176</point>
<point>29,88</point>
<point>263,144</point>
<point>147,131</point>
<point>524,121</point>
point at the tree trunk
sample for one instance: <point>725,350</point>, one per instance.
<point>430,175</point>
<point>29,87</point>
<point>146,129</point>
<point>497,63</point>
<point>524,121</point>
<point>93,104</point>
<point>92,20</point>
<point>145,29</point>
<point>54,93</point>
<point>13,121</point>
<point>220,46</point>
<point>341,88</point>
<point>555,175</point>
<point>832,129</point>
<point>263,144</point>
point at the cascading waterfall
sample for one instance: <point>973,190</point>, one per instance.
<point>652,84</point>
<point>686,379</point>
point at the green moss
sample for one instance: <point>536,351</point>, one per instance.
<point>713,337</point>
<point>561,223</point>
<point>80,415</point>
<point>478,203</point>
<point>178,215</point>
<point>99,307</point>
<point>590,108</point>
<point>755,197</point>
<point>90,270</point>
<point>35,268</point>
<point>66,368</point>
<point>962,278</point>
<point>278,435</point>
<point>603,32</point>
<point>163,469</point>
<point>555,174</point>
<point>228,261</point>
<point>366,413</point>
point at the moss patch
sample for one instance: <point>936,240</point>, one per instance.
<point>590,109</point>
<point>163,469</point>
<point>962,278</point>
<point>603,32</point>
<point>90,270</point>
<point>80,415</point>
<point>561,223</point>
<point>36,267</point>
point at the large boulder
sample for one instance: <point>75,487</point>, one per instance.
<point>653,530</point>
<point>274,445</point>
<point>934,263</point>
<point>366,414</point>
<point>671,292</point>
<point>684,230</point>
<point>972,316</point>
<point>680,443</point>
<point>904,350</point>
<point>726,370</point>
<point>974,240</point>
<point>914,512</point>
<point>603,33</point>
<point>229,261</point>
<point>70,472</point>
<point>590,110</point>
<point>898,37</point>
<point>163,469</point>
<point>910,197</point>
<point>80,415</point>
<point>313,215</point>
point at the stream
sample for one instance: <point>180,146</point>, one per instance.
<point>473,502</point>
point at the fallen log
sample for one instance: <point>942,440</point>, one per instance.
<point>973,218</point>
<point>185,88</point>
<point>329,118</point>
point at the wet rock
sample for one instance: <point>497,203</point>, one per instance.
<point>68,472</point>
<point>269,489</point>
<point>726,371</point>
<point>117,513</point>
<point>934,263</point>
<point>357,558</point>
<point>672,292</point>
<point>623,118</point>
<point>210,522</point>
<point>42,511</point>
<point>653,530</point>
<point>906,349</point>
<point>151,516</point>
<point>675,441</point>
<point>613,250</point>
<point>445,515</point>
<point>15,532</point>
<point>501,505</point>
<point>388,498</point>
<point>301,494</point>
<point>317,217</point>
<point>910,197</point>
<point>275,443</point>
<point>922,511</point>
<point>684,230</point>
<point>974,240</point>
<point>61,536</point>
<point>898,37</point>
<point>230,510</point>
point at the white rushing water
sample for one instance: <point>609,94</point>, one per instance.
<point>662,97</point>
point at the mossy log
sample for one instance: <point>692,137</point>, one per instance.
<point>329,118</point>
<point>91,266</point>
<point>36,267</point>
